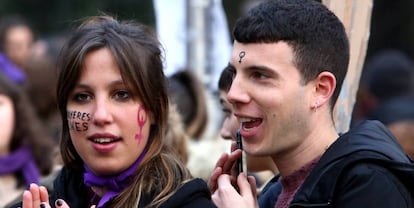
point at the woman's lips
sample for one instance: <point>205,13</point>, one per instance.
<point>104,142</point>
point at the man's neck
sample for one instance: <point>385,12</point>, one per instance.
<point>311,147</point>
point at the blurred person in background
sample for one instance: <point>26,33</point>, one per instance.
<point>41,76</point>
<point>16,39</point>
<point>398,115</point>
<point>188,96</point>
<point>25,149</point>
<point>187,93</point>
<point>388,74</point>
<point>176,136</point>
<point>30,63</point>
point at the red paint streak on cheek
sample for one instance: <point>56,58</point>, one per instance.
<point>141,120</point>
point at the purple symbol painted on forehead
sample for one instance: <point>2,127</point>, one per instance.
<point>141,119</point>
<point>241,55</point>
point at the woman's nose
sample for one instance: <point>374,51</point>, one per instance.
<point>101,114</point>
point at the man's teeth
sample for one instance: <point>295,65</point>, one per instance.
<point>245,128</point>
<point>102,140</point>
<point>242,120</point>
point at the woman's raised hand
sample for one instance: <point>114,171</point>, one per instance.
<point>38,196</point>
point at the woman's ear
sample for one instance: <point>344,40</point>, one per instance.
<point>325,84</point>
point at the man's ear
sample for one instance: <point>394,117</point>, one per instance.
<point>325,84</point>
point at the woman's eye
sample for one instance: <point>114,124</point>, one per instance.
<point>122,95</point>
<point>81,97</point>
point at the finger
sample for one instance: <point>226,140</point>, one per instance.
<point>244,185</point>
<point>60,203</point>
<point>247,186</point>
<point>44,205</point>
<point>233,146</point>
<point>252,182</point>
<point>212,182</point>
<point>44,195</point>
<point>216,199</point>
<point>34,190</point>
<point>224,181</point>
<point>232,158</point>
<point>224,190</point>
<point>27,199</point>
<point>222,160</point>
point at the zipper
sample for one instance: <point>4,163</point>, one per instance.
<point>325,204</point>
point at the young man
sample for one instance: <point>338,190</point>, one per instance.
<point>261,167</point>
<point>289,60</point>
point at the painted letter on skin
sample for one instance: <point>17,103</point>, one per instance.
<point>141,119</point>
<point>78,121</point>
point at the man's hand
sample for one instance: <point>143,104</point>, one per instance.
<point>227,196</point>
<point>226,164</point>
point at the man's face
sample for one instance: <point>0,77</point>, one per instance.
<point>269,98</point>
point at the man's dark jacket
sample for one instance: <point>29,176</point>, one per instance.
<point>365,167</point>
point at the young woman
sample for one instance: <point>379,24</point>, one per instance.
<point>112,98</point>
<point>25,150</point>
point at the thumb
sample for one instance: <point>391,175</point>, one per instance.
<point>247,186</point>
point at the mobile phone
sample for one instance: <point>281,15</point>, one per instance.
<point>239,145</point>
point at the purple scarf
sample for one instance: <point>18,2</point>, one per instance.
<point>20,160</point>
<point>10,70</point>
<point>115,184</point>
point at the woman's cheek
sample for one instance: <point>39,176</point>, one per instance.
<point>78,121</point>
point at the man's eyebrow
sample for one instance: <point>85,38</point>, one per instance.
<point>259,68</point>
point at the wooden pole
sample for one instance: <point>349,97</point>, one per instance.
<point>356,17</point>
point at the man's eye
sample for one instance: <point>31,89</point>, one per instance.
<point>122,95</point>
<point>258,75</point>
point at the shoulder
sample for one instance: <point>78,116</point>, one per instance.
<point>68,185</point>
<point>193,193</point>
<point>363,178</point>
<point>373,186</point>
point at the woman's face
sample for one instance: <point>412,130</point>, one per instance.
<point>108,124</point>
<point>7,118</point>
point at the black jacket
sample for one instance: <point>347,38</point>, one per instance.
<point>365,167</point>
<point>69,186</point>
